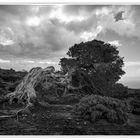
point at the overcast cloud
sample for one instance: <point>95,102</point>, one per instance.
<point>39,35</point>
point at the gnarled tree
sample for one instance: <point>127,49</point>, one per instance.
<point>97,62</point>
<point>25,92</point>
<point>28,92</point>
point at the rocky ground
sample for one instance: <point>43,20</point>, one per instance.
<point>58,119</point>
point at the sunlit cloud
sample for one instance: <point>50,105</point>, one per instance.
<point>33,21</point>
<point>46,62</point>
<point>62,17</point>
<point>4,61</point>
<point>28,61</point>
<point>132,63</point>
<point>5,42</point>
<point>6,36</point>
<point>91,35</point>
<point>102,11</point>
<point>115,43</point>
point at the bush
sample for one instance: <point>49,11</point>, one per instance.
<point>135,104</point>
<point>119,91</point>
<point>95,107</point>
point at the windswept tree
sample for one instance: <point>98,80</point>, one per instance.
<point>96,62</point>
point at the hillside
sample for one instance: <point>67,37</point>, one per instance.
<point>55,114</point>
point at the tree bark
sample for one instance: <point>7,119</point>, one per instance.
<point>25,92</point>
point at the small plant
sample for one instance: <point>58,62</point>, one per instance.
<point>95,107</point>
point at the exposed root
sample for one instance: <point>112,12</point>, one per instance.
<point>25,110</point>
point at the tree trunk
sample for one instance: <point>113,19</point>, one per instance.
<point>25,92</point>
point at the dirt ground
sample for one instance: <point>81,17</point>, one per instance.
<point>58,119</point>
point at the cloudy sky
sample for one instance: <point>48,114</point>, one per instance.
<point>39,35</point>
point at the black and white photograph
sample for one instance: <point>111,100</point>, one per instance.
<point>69,69</point>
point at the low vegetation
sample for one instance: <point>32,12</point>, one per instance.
<point>9,79</point>
<point>96,107</point>
<point>74,100</point>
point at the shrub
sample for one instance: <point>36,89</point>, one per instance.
<point>95,107</point>
<point>119,91</point>
<point>135,104</point>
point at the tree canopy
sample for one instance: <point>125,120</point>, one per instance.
<point>99,60</point>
